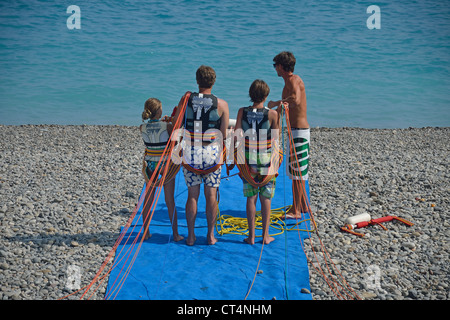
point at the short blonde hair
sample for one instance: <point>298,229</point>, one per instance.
<point>151,107</point>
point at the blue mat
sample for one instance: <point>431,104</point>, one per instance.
<point>168,270</point>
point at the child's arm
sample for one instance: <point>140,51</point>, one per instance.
<point>169,128</point>
<point>274,119</point>
<point>238,124</point>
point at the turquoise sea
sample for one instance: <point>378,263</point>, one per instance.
<point>124,52</point>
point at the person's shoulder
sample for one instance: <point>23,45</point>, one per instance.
<point>220,100</point>
<point>240,112</point>
<point>272,113</point>
<point>298,80</point>
<point>222,103</point>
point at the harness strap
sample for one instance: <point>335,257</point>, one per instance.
<point>171,173</point>
<point>156,152</point>
<point>187,166</point>
<point>244,170</point>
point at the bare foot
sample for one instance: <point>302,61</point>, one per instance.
<point>177,237</point>
<point>292,214</point>
<point>190,241</point>
<point>212,240</point>
<point>147,235</point>
<point>268,239</point>
<point>249,240</point>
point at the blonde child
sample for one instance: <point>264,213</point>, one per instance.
<point>156,135</point>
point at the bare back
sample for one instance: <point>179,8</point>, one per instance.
<point>294,94</point>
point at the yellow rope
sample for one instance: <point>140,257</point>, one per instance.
<point>227,224</point>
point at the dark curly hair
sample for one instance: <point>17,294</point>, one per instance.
<point>286,59</point>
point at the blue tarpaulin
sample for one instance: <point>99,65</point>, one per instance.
<point>168,270</point>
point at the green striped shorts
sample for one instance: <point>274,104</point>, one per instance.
<point>267,191</point>
<point>298,163</point>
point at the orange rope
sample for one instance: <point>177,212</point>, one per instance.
<point>332,283</point>
<point>275,161</point>
<point>155,199</point>
<point>301,186</point>
<point>330,280</point>
<point>149,188</point>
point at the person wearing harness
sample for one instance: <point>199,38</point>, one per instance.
<point>298,162</point>
<point>205,122</point>
<point>259,131</point>
<point>156,134</point>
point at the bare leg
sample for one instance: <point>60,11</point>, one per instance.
<point>299,204</point>
<point>265,213</point>
<point>251,213</point>
<point>169,190</point>
<point>191,213</point>
<point>211,212</point>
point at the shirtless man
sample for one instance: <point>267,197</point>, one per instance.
<point>294,95</point>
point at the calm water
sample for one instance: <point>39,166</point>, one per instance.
<point>127,51</point>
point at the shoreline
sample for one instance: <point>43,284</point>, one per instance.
<point>67,189</point>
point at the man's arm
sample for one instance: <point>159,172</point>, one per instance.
<point>273,104</point>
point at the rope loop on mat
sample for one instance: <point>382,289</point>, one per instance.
<point>227,224</point>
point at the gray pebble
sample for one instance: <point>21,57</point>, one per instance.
<point>409,245</point>
<point>304,290</point>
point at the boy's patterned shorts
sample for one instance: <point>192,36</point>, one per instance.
<point>267,191</point>
<point>203,157</point>
<point>211,179</point>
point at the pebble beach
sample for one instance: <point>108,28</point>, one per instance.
<point>65,191</point>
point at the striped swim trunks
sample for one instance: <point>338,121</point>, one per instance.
<point>267,191</point>
<point>298,162</point>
